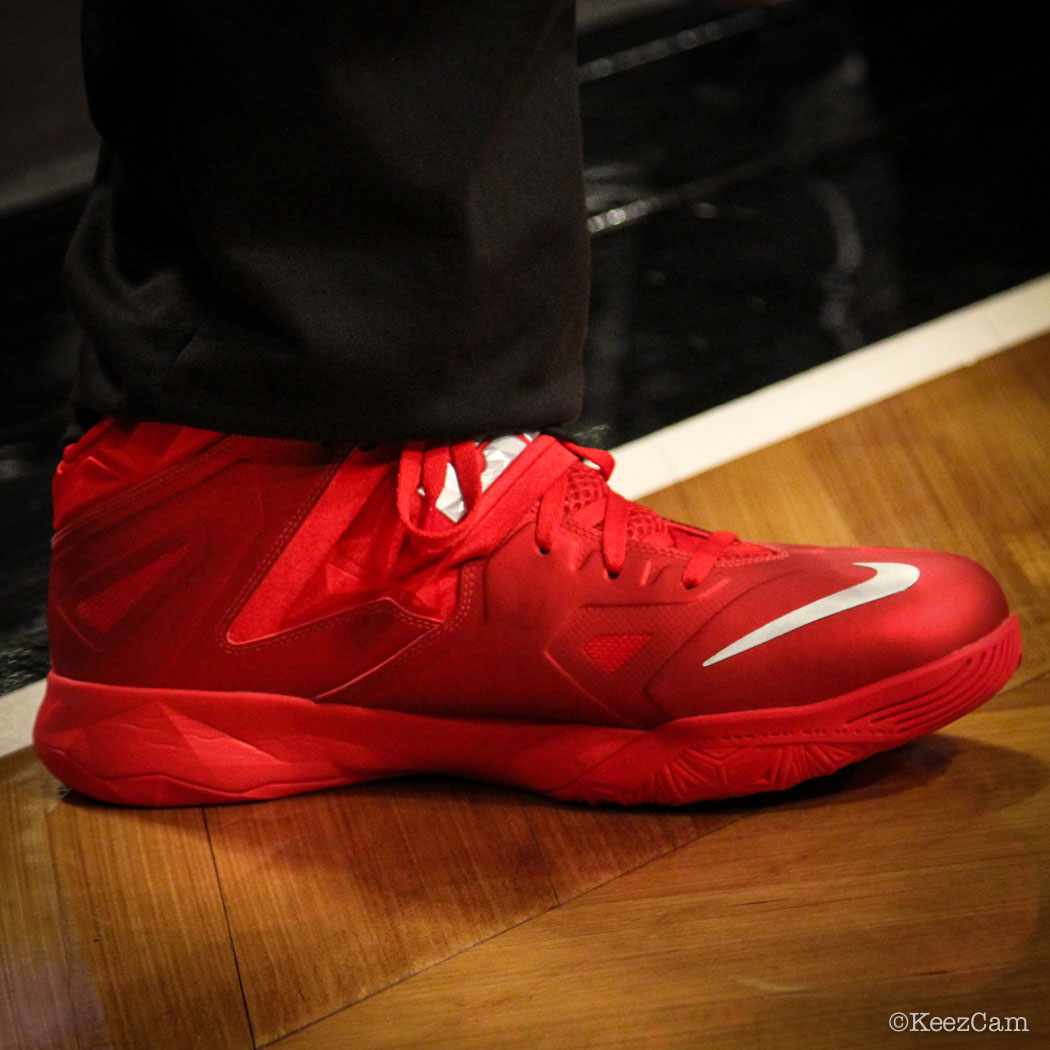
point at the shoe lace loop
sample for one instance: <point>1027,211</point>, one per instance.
<point>616,520</point>
<point>426,468</point>
<point>424,471</point>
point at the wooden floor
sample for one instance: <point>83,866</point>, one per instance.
<point>439,914</point>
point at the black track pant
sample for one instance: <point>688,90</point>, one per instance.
<point>336,220</point>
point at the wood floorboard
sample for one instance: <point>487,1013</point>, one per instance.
<point>46,996</point>
<point>114,936</point>
<point>434,913</point>
<point>334,896</point>
<point>582,846</point>
<point>149,924</point>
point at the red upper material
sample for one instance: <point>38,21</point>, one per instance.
<point>191,560</point>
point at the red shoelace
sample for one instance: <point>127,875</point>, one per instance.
<point>425,469</point>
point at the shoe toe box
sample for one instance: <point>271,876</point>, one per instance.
<point>827,623</point>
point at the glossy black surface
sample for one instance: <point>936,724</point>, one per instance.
<point>770,186</point>
<point>793,182</point>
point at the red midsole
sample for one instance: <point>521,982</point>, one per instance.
<point>172,747</point>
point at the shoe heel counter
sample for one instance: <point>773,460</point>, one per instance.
<point>112,457</point>
<point>143,583</point>
<point>105,584</point>
<point>110,489</point>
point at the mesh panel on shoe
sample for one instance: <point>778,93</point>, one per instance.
<point>586,486</point>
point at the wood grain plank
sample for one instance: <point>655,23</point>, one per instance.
<point>334,896</point>
<point>919,880</point>
<point>148,919</point>
<point>774,495</point>
<point>47,998</point>
<point>583,846</point>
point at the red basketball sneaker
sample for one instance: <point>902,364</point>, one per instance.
<point>237,618</point>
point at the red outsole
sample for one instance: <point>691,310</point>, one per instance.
<point>159,747</point>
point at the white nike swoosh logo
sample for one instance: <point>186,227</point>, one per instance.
<point>890,578</point>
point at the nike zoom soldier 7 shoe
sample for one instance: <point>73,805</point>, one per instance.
<point>239,618</point>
